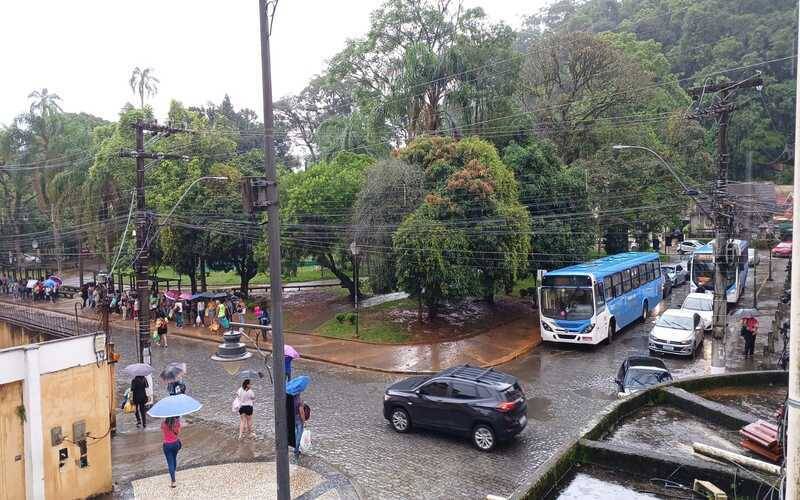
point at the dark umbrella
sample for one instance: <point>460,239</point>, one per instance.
<point>250,374</point>
<point>173,372</point>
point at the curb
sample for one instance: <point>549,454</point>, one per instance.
<point>499,361</point>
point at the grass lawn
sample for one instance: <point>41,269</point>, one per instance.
<point>384,332</point>
<point>230,278</point>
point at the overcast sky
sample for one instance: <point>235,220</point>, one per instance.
<point>84,50</point>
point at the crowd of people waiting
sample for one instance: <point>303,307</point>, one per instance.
<point>42,289</point>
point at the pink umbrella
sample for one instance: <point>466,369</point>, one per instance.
<point>185,296</point>
<point>172,294</point>
<point>57,280</point>
<point>290,351</point>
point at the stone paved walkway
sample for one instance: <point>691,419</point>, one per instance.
<point>494,347</point>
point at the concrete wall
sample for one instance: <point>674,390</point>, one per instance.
<point>12,336</point>
<point>69,396</point>
<point>61,382</point>
<point>12,445</point>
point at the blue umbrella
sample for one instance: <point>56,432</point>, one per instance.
<point>49,283</point>
<point>297,385</point>
<point>175,406</point>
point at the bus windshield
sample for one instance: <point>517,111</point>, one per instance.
<point>567,303</point>
<point>703,272</point>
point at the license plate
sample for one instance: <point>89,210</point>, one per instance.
<point>668,348</point>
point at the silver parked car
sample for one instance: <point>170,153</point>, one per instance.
<point>677,331</point>
<point>688,246</point>
<point>678,273</point>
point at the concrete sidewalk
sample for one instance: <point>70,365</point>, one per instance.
<point>491,348</point>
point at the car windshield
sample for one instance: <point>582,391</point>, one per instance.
<point>676,322</point>
<point>638,378</point>
<point>696,304</point>
<point>567,303</point>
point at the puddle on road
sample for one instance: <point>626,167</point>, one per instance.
<point>596,394</point>
<point>761,402</point>
<point>668,430</point>
<point>539,409</point>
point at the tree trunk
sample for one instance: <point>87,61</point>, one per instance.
<point>488,289</point>
<point>193,277</point>
<point>80,261</point>
<point>59,250</point>
<point>326,260</point>
<point>203,285</point>
<point>244,285</point>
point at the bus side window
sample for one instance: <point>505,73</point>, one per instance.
<point>626,280</point>
<point>644,274</point>
<point>616,279</point>
<point>635,277</point>
<point>600,299</point>
<point>608,287</point>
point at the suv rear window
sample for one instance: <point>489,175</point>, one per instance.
<point>513,393</point>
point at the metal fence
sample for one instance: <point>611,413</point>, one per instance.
<point>48,323</point>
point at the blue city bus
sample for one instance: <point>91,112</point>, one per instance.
<point>702,268</point>
<point>588,303</point>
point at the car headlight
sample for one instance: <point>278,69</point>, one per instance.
<point>386,397</point>
<point>589,328</point>
<point>546,327</point>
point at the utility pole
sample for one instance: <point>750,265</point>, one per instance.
<point>793,400</point>
<point>723,216</point>
<point>274,241</point>
<point>142,259</point>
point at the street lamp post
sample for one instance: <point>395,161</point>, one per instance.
<point>720,301</point>
<point>354,251</point>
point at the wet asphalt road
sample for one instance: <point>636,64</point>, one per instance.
<point>565,385</point>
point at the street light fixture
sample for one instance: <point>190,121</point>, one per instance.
<point>689,191</point>
<point>232,353</point>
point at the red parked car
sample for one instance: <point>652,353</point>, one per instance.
<point>783,249</point>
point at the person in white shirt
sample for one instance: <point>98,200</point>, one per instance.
<point>246,399</point>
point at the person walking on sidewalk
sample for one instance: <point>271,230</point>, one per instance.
<point>201,312</point>
<point>161,329</point>
<point>170,433</point>
<point>211,312</point>
<point>296,421</point>
<point>136,308</point>
<point>139,387</point>
<point>749,331</point>
<point>246,399</point>
<point>178,311</point>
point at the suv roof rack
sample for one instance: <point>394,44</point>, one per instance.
<point>488,375</point>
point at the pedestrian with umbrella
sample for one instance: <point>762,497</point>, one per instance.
<point>139,387</point>
<point>289,354</point>
<point>748,330</point>
<point>172,375</point>
<point>297,412</point>
<point>171,409</point>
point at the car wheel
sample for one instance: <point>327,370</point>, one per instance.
<point>400,420</point>
<point>483,437</point>
<point>653,353</point>
<point>645,310</point>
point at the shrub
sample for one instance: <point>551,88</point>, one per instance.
<point>341,317</point>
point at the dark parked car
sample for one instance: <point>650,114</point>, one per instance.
<point>640,372</point>
<point>666,285</point>
<point>485,404</point>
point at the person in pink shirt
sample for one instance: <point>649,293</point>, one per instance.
<point>170,430</point>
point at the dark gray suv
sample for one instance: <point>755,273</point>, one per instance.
<point>484,404</point>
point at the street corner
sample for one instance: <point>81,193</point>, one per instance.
<point>309,479</point>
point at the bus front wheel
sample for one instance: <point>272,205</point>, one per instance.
<point>611,330</point>
<point>645,310</point>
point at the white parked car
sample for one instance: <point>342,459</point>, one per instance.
<point>677,331</point>
<point>678,272</point>
<point>688,246</point>
<point>752,257</point>
<point>702,304</point>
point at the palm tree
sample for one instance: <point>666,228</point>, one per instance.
<point>44,104</point>
<point>143,82</point>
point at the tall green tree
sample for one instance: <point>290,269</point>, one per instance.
<point>143,82</point>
